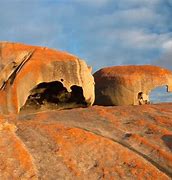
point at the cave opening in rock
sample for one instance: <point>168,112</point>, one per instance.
<point>53,95</point>
<point>142,98</point>
<point>160,94</point>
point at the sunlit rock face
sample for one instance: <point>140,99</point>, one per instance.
<point>24,68</point>
<point>133,142</point>
<point>129,85</point>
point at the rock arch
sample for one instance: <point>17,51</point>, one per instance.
<point>160,94</point>
<point>121,85</point>
<point>24,67</point>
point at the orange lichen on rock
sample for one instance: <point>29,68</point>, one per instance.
<point>129,85</point>
<point>24,67</point>
<point>83,154</point>
<point>90,143</point>
<point>15,160</point>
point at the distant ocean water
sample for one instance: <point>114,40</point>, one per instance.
<point>160,94</point>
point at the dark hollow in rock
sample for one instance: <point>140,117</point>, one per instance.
<point>53,95</point>
<point>168,141</point>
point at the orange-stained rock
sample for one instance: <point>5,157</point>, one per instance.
<point>129,85</point>
<point>15,160</point>
<point>90,143</point>
<point>23,67</point>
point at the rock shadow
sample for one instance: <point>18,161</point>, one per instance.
<point>168,141</point>
<point>53,95</point>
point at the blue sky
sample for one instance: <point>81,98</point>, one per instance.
<point>160,95</point>
<point>103,32</point>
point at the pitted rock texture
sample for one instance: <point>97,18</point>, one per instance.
<point>129,85</point>
<point>122,142</point>
<point>24,67</point>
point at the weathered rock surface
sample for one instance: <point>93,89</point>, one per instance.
<point>122,142</point>
<point>129,85</point>
<point>24,68</point>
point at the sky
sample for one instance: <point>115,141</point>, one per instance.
<point>102,32</point>
<point>159,95</point>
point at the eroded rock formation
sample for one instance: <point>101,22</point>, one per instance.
<point>129,85</point>
<point>90,143</point>
<point>28,72</point>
